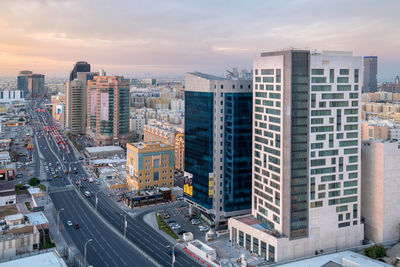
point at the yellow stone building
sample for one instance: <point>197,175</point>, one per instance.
<point>149,165</point>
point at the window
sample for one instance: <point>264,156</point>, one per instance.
<point>342,79</point>
<point>317,71</point>
<point>344,72</point>
<point>267,72</point>
<point>268,79</point>
<point>318,79</point>
<point>156,176</point>
<point>156,163</point>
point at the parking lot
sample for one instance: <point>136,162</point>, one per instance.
<point>180,215</point>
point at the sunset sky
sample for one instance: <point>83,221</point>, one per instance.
<point>167,38</point>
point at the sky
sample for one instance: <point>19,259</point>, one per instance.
<point>162,38</point>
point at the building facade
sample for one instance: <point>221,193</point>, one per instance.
<point>374,130</point>
<point>153,133</point>
<point>179,151</point>
<point>218,127</point>
<point>379,190</point>
<point>306,156</point>
<point>12,97</point>
<point>76,107</point>
<point>80,66</point>
<point>22,80</point>
<point>36,85</point>
<point>108,110</point>
<point>137,124</point>
<point>149,165</point>
<point>370,83</point>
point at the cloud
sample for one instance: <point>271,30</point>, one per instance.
<point>171,37</point>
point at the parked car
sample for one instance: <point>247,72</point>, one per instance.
<point>181,232</point>
<point>196,221</point>
<point>175,227</point>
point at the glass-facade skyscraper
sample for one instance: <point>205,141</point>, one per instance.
<point>80,66</point>
<point>218,130</point>
<point>370,83</point>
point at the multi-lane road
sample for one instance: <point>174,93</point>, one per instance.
<point>151,244</point>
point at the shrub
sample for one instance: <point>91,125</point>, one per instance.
<point>34,181</point>
<point>376,251</point>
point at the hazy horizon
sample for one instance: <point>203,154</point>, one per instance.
<point>168,38</point>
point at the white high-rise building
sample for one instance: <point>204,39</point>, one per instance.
<point>306,156</point>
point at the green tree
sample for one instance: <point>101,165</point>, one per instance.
<point>376,251</point>
<point>34,181</point>
<point>21,119</point>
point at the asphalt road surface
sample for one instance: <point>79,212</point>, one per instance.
<point>139,232</point>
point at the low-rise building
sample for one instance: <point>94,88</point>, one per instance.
<point>374,130</point>
<point>102,152</point>
<point>49,259</point>
<point>149,165</point>
<point>379,190</point>
<point>4,158</point>
<point>5,144</point>
<point>7,194</point>
<point>18,236</point>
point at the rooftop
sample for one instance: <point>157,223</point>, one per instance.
<point>34,190</point>
<point>49,259</point>
<point>253,222</point>
<point>37,218</point>
<point>206,76</point>
<point>7,186</point>
<point>344,258</point>
<point>97,149</point>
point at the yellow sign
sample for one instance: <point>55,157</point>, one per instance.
<point>210,184</point>
<point>188,185</point>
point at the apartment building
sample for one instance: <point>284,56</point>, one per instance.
<point>149,165</point>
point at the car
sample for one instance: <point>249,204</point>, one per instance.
<point>76,172</point>
<point>97,182</point>
<point>81,158</point>
<point>76,226</point>
<point>66,172</point>
<point>77,182</point>
<point>196,221</point>
<point>69,223</point>
<point>171,221</point>
<point>175,227</point>
<point>87,194</point>
<point>109,194</point>
<point>19,175</point>
<point>84,179</point>
<point>181,232</point>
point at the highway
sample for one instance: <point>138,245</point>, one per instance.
<point>107,248</point>
<point>138,232</point>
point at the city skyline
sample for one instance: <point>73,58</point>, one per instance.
<point>159,38</point>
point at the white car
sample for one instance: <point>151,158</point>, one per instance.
<point>204,229</point>
<point>175,227</point>
<point>69,223</point>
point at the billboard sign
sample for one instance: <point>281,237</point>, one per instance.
<point>104,106</point>
<point>210,184</point>
<point>59,109</point>
<point>188,184</point>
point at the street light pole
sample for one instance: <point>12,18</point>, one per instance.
<point>173,253</point>
<point>58,220</point>
<point>97,199</point>
<point>84,249</point>
<point>125,223</point>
